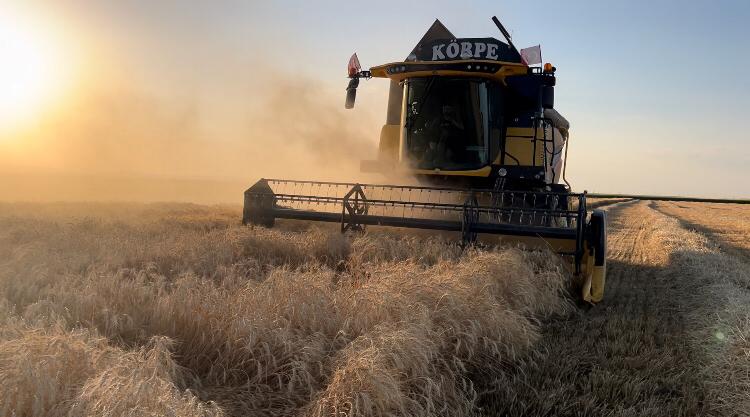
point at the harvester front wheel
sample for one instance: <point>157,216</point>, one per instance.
<point>596,257</point>
<point>598,236</point>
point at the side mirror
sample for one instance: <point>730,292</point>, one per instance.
<point>351,93</point>
<point>547,96</point>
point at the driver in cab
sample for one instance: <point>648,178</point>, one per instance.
<point>446,130</point>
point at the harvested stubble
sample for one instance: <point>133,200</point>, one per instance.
<point>720,233</point>
<point>727,224</point>
<point>176,310</point>
<point>669,339</point>
<point>594,203</point>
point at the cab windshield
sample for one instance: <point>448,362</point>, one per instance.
<point>447,123</point>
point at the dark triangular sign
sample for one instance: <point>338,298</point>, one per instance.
<point>436,31</point>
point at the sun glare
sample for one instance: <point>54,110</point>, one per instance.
<point>30,73</point>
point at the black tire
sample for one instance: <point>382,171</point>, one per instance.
<point>598,236</point>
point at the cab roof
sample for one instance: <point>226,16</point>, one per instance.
<point>439,52</point>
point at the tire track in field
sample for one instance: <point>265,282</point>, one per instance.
<point>628,356</point>
<point>601,204</point>
<point>710,233</point>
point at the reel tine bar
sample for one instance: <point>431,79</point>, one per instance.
<point>469,211</point>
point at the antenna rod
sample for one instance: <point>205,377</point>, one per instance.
<point>504,32</point>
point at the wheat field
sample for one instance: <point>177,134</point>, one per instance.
<point>176,309</point>
<point>159,309</point>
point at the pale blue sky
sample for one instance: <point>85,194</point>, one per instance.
<point>656,91</point>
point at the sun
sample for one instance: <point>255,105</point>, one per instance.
<point>29,71</point>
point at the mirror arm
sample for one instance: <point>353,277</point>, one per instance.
<point>351,89</point>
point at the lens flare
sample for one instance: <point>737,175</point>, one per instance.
<point>30,71</point>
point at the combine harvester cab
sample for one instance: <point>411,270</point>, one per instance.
<point>473,122</point>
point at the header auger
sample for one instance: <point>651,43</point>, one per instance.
<point>475,124</point>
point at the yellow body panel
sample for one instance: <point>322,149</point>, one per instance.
<point>390,135</point>
<point>593,277</point>
<point>481,172</point>
<point>387,167</point>
<point>525,132</point>
<point>519,144</point>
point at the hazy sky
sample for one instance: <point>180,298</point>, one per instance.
<point>655,90</point>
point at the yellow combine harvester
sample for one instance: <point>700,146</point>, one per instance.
<point>476,126</point>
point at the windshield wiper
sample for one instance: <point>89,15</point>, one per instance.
<point>415,116</point>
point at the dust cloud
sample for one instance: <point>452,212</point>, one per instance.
<point>124,144</point>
